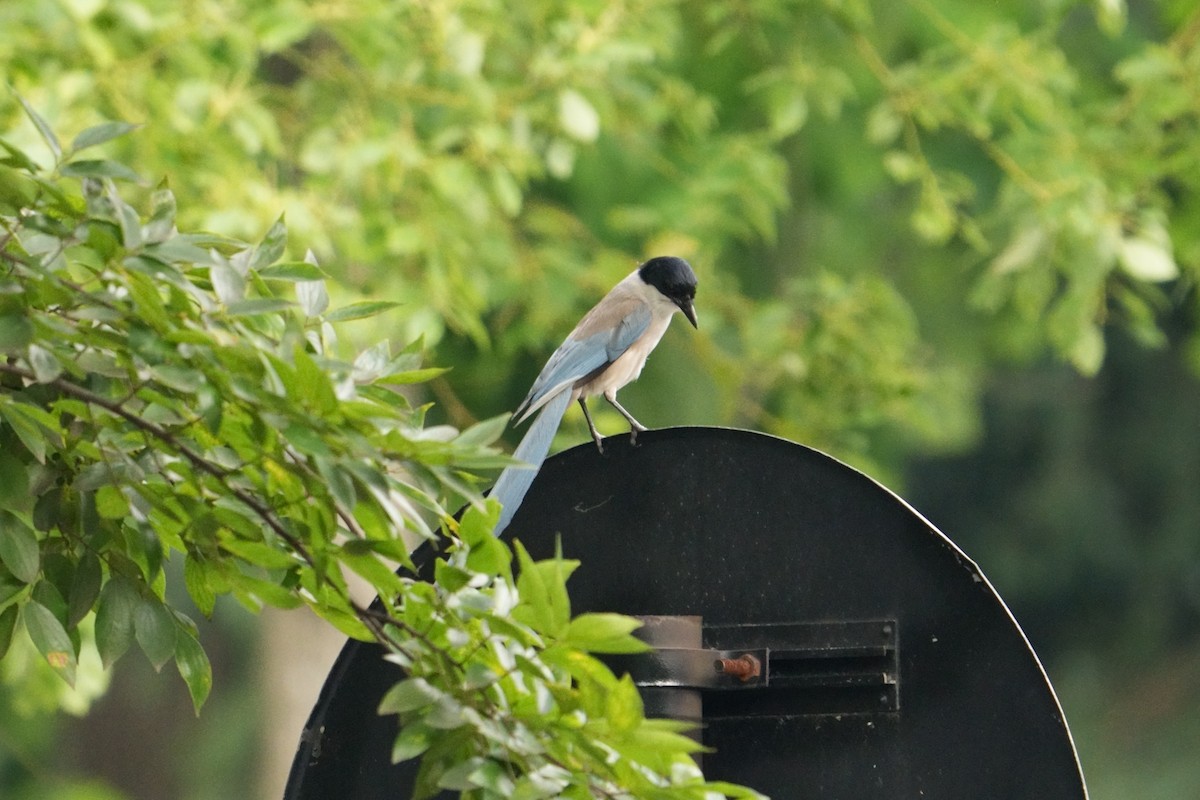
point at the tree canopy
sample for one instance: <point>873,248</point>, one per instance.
<point>887,205</point>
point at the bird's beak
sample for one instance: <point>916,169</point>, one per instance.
<point>689,311</point>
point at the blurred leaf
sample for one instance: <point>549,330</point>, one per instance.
<point>8,624</point>
<point>194,668</point>
<point>624,707</point>
<point>51,639</point>
<point>258,306</point>
<point>228,284</point>
<point>313,297</point>
<point>155,631</point>
<point>99,134</point>
<point>16,332</point>
<point>413,375</point>
<point>577,116</point>
<point>46,132</point>
<point>542,585</point>
<point>99,168</point>
<point>293,271</point>
<point>1148,259</point>
<point>115,619</point>
<point>412,740</point>
<point>14,483</point>
<point>19,548</point>
<point>111,503</point>
<point>161,225</point>
<point>85,589</point>
<point>46,366</point>
<point>361,310</point>
<point>604,633</point>
<point>408,695</point>
<point>36,429</point>
<point>195,577</point>
<point>269,250</point>
<point>485,432</point>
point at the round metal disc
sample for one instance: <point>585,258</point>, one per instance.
<point>741,528</point>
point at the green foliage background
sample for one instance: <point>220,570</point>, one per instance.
<point>906,218</point>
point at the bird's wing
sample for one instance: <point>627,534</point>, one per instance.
<point>600,338</point>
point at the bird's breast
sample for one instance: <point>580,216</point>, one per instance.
<point>628,366</point>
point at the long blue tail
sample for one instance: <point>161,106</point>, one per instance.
<point>514,481</point>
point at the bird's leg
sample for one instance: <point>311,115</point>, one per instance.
<point>635,427</point>
<point>591,426</point>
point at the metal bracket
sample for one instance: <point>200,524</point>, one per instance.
<point>775,670</point>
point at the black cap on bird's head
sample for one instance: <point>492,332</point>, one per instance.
<point>674,278</point>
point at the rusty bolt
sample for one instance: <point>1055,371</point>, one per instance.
<point>743,667</point>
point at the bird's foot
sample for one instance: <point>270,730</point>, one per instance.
<point>599,444</point>
<point>634,430</point>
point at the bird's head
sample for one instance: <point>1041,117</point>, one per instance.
<point>673,277</point>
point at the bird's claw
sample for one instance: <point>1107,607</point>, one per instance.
<point>634,430</point>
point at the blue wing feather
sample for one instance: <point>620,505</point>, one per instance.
<point>578,357</point>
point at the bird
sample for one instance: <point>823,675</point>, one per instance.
<point>605,351</point>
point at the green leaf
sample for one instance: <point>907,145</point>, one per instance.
<point>413,740</point>
<point>258,305</point>
<point>11,589</point>
<point>269,250</point>
<point>161,226</point>
<point>306,440</point>
<point>371,363</point>
<point>293,271</point>
<point>16,332</point>
<point>1087,351</point>
<point>314,389</point>
<point>477,526</point>
<point>259,553</point>
<point>46,366</point>
<point>155,630</point>
<point>414,375</point>
<point>409,695</point>
<point>8,624</point>
<point>51,639</point>
<point>490,557</point>
<point>17,190</point>
<point>17,158</point>
<point>449,577</point>
<point>194,667</point>
<point>542,586</point>
<point>1148,257</point>
<point>99,168</point>
<point>313,297</point>
<point>578,117</point>
<point>369,308</point>
<point>111,502</point>
<point>485,432</point>
<point>604,633</point>
<point>19,548</point>
<point>357,556</point>
<point>337,480</point>
<point>85,588</point>
<point>195,577</point>
<point>114,619</point>
<point>624,708</point>
<point>14,483</point>
<point>149,303</point>
<point>43,128</point>
<point>36,428</point>
<point>227,282</point>
<point>99,134</point>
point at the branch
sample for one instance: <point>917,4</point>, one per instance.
<point>195,459</point>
